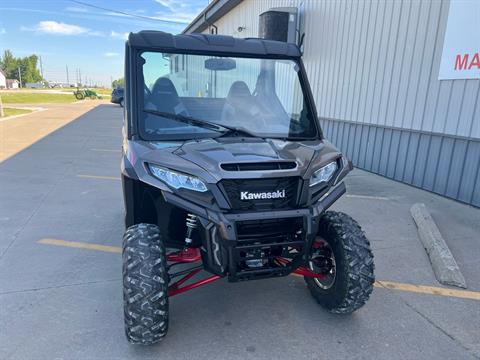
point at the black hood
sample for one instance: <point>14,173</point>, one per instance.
<point>211,154</point>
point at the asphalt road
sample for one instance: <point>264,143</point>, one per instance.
<point>63,302</point>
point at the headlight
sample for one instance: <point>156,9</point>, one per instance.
<point>323,174</point>
<point>178,180</point>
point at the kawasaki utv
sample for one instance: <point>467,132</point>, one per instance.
<point>225,171</point>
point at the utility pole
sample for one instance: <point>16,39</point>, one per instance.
<point>68,80</point>
<point>41,67</point>
<point>20,76</point>
<point>80,75</point>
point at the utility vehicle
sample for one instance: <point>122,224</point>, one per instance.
<point>81,94</point>
<point>117,96</point>
<point>225,171</point>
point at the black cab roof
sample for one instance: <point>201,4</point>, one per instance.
<point>219,44</point>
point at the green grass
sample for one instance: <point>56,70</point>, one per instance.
<point>103,91</point>
<point>13,111</point>
<point>35,98</point>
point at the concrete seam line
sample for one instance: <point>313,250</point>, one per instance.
<point>107,150</point>
<point>443,263</point>
<point>368,197</point>
<point>98,177</point>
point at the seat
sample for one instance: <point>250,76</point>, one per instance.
<point>164,98</point>
<point>238,104</point>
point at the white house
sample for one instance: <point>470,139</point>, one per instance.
<point>13,84</point>
<point>3,80</point>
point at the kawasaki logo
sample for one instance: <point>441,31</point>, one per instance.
<point>245,195</point>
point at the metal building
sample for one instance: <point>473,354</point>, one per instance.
<point>374,71</point>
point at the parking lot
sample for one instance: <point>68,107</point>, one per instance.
<point>61,225</point>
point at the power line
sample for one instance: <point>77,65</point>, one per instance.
<point>128,14</point>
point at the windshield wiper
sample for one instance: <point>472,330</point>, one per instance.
<point>188,120</point>
<point>225,130</point>
<point>234,131</point>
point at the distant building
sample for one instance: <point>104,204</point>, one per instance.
<point>3,80</point>
<point>36,85</point>
<point>13,84</point>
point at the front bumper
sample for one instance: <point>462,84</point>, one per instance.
<point>224,250</point>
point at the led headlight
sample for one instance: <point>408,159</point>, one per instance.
<point>324,174</point>
<point>178,180</point>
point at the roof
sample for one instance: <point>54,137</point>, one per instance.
<point>214,11</point>
<point>212,44</point>
<point>1,72</point>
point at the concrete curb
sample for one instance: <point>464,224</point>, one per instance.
<point>443,263</point>
<point>33,110</point>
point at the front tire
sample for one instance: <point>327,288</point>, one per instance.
<point>341,246</point>
<point>145,284</point>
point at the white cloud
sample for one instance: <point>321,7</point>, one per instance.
<point>117,35</point>
<point>110,54</point>
<point>178,10</point>
<point>76,9</point>
<point>96,33</point>
<point>2,31</point>
<point>58,28</point>
<point>173,5</point>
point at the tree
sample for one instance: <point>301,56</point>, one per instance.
<point>118,83</point>
<point>9,65</point>
<point>27,65</point>
<point>28,68</point>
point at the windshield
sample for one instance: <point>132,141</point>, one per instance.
<point>258,97</point>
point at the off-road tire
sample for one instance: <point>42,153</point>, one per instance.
<point>79,96</point>
<point>145,284</point>
<point>354,265</point>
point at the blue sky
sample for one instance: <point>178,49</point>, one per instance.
<point>69,33</point>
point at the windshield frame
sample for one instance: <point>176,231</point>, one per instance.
<point>138,130</point>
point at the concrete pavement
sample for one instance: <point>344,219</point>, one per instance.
<point>66,302</point>
<point>20,132</point>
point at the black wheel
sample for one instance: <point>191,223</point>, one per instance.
<point>145,284</point>
<point>79,96</point>
<point>122,104</point>
<point>342,253</point>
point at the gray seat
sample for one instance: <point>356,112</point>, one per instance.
<point>164,97</point>
<point>238,104</point>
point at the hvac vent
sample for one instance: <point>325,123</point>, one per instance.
<point>279,24</point>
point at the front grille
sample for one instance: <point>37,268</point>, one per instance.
<point>262,242</point>
<point>233,189</point>
<point>268,231</point>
